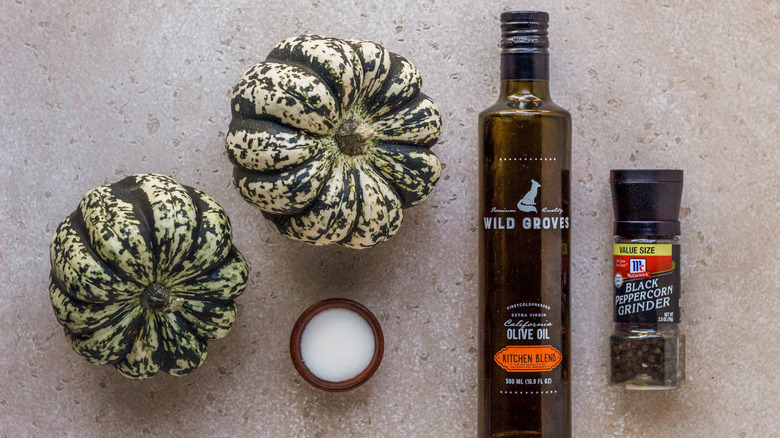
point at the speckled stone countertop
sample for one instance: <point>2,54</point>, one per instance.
<point>93,91</point>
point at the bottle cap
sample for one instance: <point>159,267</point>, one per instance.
<point>646,201</point>
<point>524,31</point>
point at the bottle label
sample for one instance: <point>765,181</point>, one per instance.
<point>527,218</point>
<point>647,282</point>
<point>529,358</point>
<point>526,214</point>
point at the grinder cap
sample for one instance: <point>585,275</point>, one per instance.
<point>646,202</point>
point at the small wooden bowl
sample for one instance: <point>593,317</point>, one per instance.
<point>303,321</point>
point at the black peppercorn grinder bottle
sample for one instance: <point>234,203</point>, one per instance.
<point>646,347</point>
<point>525,162</point>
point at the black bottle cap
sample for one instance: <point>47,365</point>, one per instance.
<point>538,17</point>
<point>524,31</point>
<point>646,202</point>
<point>524,44</point>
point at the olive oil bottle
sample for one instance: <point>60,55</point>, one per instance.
<point>525,161</point>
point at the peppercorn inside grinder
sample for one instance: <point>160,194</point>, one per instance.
<point>647,350</point>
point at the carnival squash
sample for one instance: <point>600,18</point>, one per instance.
<point>331,139</point>
<point>144,274</point>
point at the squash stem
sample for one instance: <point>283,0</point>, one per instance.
<point>352,137</point>
<point>155,297</point>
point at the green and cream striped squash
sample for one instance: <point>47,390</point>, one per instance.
<point>143,274</point>
<point>331,139</point>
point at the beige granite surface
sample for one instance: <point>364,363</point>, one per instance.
<point>93,91</point>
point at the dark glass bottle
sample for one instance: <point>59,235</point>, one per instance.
<point>525,161</point>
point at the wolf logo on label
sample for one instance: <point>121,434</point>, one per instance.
<point>527,204</point>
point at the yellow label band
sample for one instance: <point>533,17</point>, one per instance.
<point>642,249</point>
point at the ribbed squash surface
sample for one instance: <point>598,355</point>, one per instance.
<point>331,139</point>
<point>143,274</point>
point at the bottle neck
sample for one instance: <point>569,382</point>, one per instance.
<point>535,87</point>
<point>522,66</point>
<point>525,73</point>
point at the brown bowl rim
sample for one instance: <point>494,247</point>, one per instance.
<point>303,321</point>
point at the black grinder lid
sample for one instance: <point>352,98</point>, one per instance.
<point>646,202</point>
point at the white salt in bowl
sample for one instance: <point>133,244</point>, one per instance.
<point>337,344</point>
